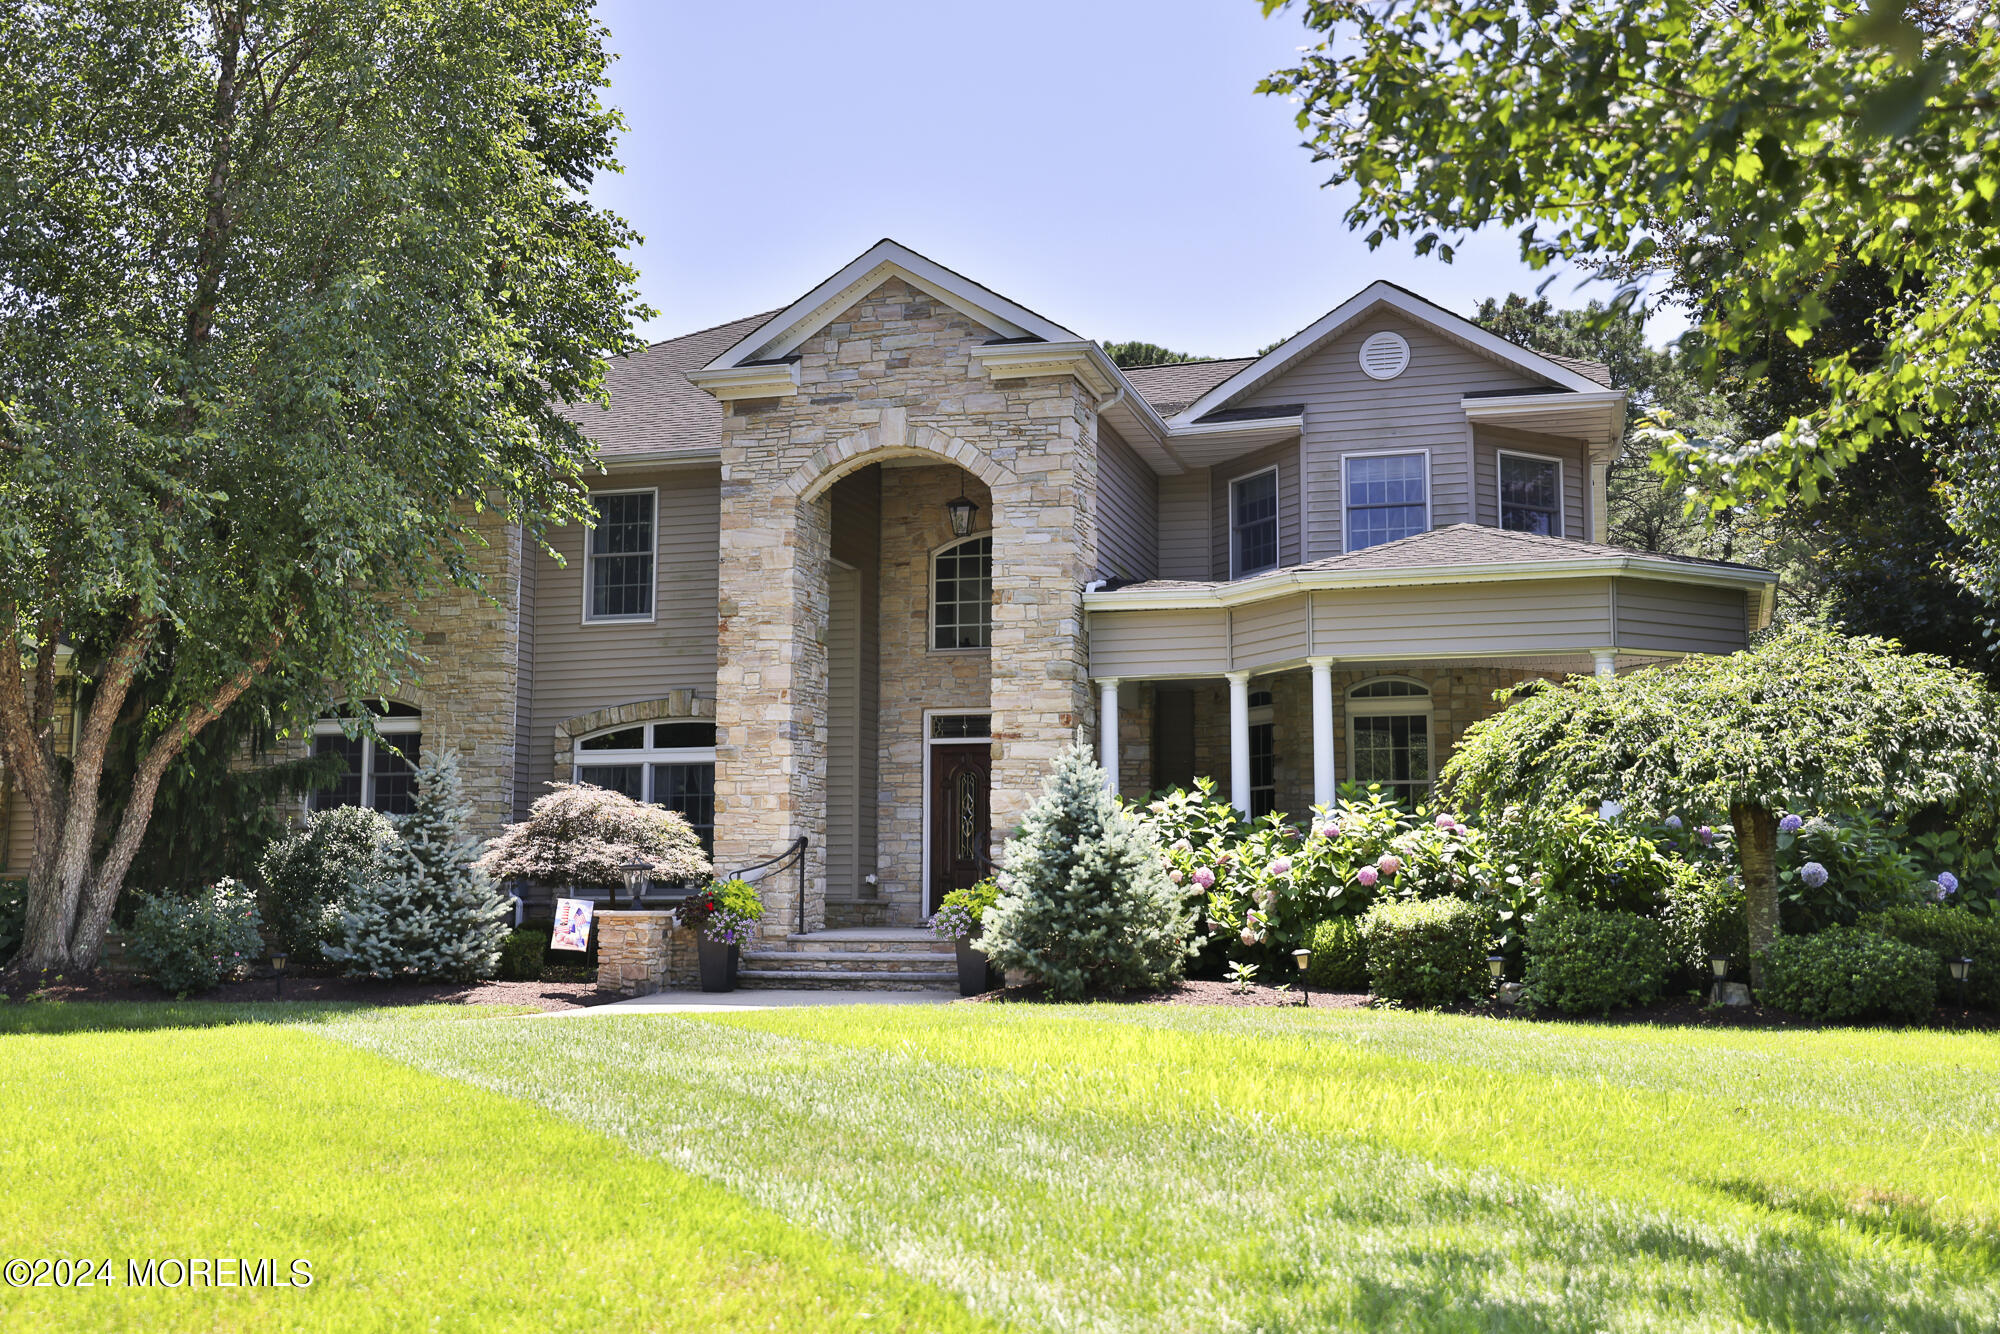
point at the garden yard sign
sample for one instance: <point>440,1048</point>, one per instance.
<point>572,925</point>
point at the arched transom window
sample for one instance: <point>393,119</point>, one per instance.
<point>962,594</point>
<point>669,764</point>
<point>380,770</point>
<point>1389,736</point>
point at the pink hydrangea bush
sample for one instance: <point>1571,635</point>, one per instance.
<point>583,835</point>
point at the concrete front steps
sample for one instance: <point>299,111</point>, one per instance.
<point>865,958</point>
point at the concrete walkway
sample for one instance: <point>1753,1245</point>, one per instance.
<point>711,1002</point>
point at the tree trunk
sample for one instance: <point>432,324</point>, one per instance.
<point>1757,854</point>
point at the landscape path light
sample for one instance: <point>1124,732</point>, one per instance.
<point>634,872</point>
<point>1496,966</point>
<point>1961,969</point>
<point>1718,965</point>
<point>1304,958</point>
<point>278,962</point>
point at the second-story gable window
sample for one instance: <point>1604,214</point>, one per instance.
<point>1530,494</point>
<point>1253,524</point>
<point>619,557</point>
<point>1387,497</point>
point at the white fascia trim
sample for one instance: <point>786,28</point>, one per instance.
<point>664,458</point>
<point>729,383</point>
<point>1610,403</point>
<point>1369,297</point>
<point>1260,587</point>
<point>783,332</point>
<point>1285,426</point>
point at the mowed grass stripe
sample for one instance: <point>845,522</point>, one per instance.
<point>422,1202</point>
<point>1105,1170</point>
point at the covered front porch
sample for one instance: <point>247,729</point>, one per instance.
<point>1369,667</point>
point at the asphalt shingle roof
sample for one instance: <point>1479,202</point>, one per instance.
<point>1173,386</point>
<point>655,408</point>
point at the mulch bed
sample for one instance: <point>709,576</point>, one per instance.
<point>362,991</point>
<point>1683,1012</point>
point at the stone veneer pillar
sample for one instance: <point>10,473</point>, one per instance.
<point>641,952</point>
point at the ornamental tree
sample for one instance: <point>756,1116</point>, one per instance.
<point>1752,156</point>
<point>290,292</point>
<point>1809,720</point>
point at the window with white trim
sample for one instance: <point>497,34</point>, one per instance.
<point>1387,498</point>
<point>380,769</point>
<point>962,594</point>
<point>620,556</point>
<point>669,764</point>
<point>1530,493</point>
<point>1253,524</point>
<point>1389,736</point>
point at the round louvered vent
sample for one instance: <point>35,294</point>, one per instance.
<point>1384,355</point>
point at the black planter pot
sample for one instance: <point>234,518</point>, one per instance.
<point>718,965</point>
<point>975,971</point>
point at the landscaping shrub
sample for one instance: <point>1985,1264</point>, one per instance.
<point>432,912</point>
<point>522,954</point>
<point>1833,868</point>
<point>579,835</point>
<point>1339,959</point>
<point>1704,916</point>
<point>308,873</point>
<point>1426,952</point>
<point>13,917</point>
<point>189,944</point>
<point>1583,961</point>
<point>1847,973</point>
<point>1950,933</point>
<point>1085,904</point>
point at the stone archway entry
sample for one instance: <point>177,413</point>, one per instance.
<point>960,816</point>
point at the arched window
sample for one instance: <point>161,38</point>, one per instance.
<point>1389,736</point>
<point>381,770</point>
<point>962,594</point>
<point>669,764</point>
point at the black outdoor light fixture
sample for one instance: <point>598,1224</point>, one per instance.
<point>1718,966</point>
<point>1961,969</point>
<point>1496,966</point>
<point>1304,958</point>
<point>634,872</point>
<point>961,512</point>
<point>278,961</point>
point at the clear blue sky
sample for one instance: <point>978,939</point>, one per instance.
<point>1103,162</point>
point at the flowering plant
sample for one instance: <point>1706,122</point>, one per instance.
<point>960,914</point>
<point>724,912</point>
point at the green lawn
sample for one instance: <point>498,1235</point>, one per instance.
<point>1109,1168</point>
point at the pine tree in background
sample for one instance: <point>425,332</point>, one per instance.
<point>1085,904</point>
<point>431,914</point>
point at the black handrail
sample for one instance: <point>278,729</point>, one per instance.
<point>796,849</point>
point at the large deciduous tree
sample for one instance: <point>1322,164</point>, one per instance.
<point>1752,156</point>
<point>1808,721</point>
<point>290,292</point>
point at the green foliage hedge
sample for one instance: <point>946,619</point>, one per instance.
<point>1586,962</point>
<point>1848,973</point>
<point>1427,952</point>
<point>189,945</point>
<point>1339,959</point>
<point>311,870</point>
<point>1949,933</point>
<point>13,917</point>
<point>522,954</point>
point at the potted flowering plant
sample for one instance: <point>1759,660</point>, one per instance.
<point>960,918</point>
<point>721,917</point>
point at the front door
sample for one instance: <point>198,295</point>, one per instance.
<point>961,819</point>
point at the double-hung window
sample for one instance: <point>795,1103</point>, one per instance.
<point>1253,524</point>
<point>668,764</point>
<point>1531,494</point>
<point>379,770</point>
<point>1387,497</point>
<point>620,556</point>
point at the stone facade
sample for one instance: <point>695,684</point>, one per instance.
<point>641,952</point>
<point>891,378</point>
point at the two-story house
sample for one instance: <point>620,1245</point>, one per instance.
<point>863,566</point>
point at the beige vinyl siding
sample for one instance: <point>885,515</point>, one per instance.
<point>1487,442</point>
<point>843,732</point>
<point>525,791</point>
<point>853,788</point>
<point>1128,511</point>
<point>1465,620</point>
<point>1660,617</point>
<point>1419,409</point>
<point>1285,458</point>
<point>1273,631</point>
<point>1184,526</point>
<point>18,831</point>
<point>1159,643</point>
<point>579,668</point>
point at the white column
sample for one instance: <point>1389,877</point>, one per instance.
<point>1606,660</point>
<point>1107,731</point>
<point>1239,741</point>
<point>1323,776</point>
